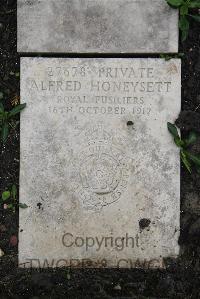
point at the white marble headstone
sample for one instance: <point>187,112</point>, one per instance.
<point>97,26</point>
<point>99,170</point>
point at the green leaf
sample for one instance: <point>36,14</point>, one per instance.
<point>186,162</point>
<point>191,139</point>
<point>10,206</point>
<point>4,132</point>
<point>195,17</point>
<point>1,95</point>
<point>1,107</point>
<point>171,56</point>
<point>179,142</point>
<point>14,191</point>
<point>162,56</point>
<point>23,205</point>
<point>184,35</point>
<point>16,124</point>
<point>181,55</point>
<point>175,3</point>
<point>173,130</point>
<point>5,195</point>
<point>17,109</point>
<point>165,56</point>
<point>194,158</point>
<point>194,4</point>
<point>184,10</point>
<point>184,23</point>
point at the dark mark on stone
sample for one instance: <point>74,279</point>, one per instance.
<point>39,205</point>
<point>130,123</point>
<point>143,223</point>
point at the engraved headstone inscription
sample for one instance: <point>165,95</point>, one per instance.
<point>99,171</point>
<point>97,26</point>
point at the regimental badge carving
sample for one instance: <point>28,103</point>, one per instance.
<point>103,168</point>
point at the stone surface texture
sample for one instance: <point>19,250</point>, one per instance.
<point>97,26</point>
<point>99,171</point>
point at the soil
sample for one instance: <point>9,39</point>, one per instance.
<point>180,279</point>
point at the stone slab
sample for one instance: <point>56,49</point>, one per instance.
<point>97,26</point>
<point>99,171</point>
